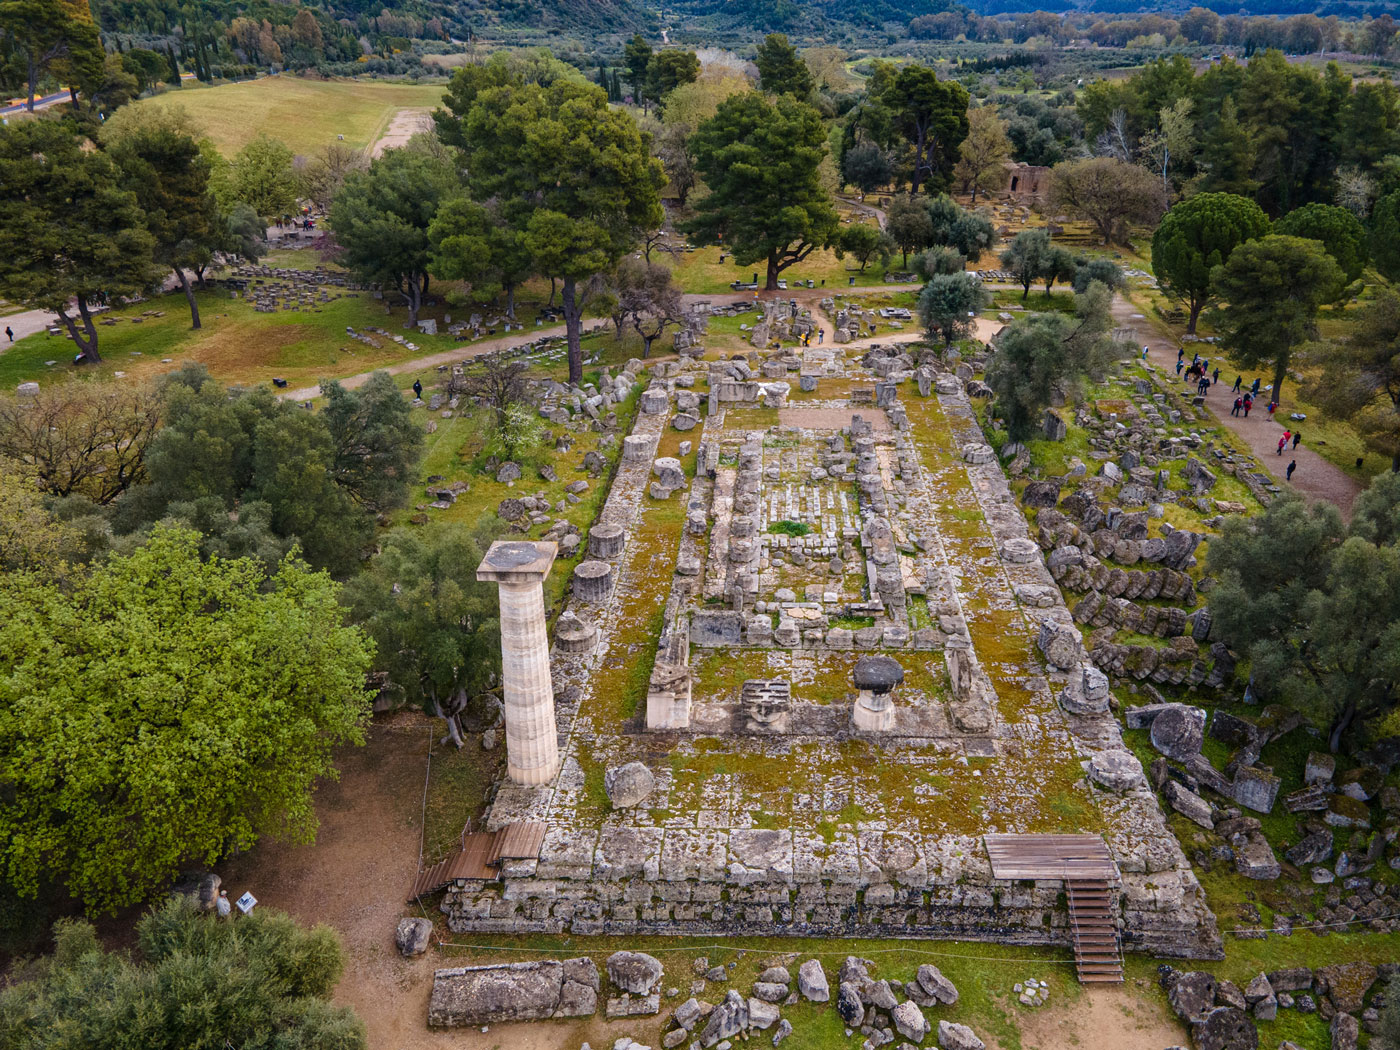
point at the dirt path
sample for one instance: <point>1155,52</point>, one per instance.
<point>429,362</point>
<point>403,125</point>
<point>355,878</point>
<point>24,323</point>
<point>1315,478</point>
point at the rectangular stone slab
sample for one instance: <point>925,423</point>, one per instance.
<point>529,991</point>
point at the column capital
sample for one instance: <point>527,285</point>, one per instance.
<point>517,561</point>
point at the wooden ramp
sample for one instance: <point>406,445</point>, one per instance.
<point>480,856</point>
<point>1086,867</point>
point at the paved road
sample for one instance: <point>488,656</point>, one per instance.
<point>39,103</point>
<point>1315,478</point>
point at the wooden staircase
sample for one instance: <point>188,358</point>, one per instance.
<point>1098,953</point>
<point>480,856</point>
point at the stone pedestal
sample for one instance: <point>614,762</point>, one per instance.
<point>636,448</point>
<point>532,739</point>
<point>593,581</point>
<point>875,677</point>
<point>606,541</point>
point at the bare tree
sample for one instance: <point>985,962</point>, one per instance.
<point>323,175</point>
<point>497,382</point>
<point>1113,140</point>
<point>648,298</point>
<point>88,439</point>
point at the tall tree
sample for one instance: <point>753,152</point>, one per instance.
<point>636,56</point>
<point>474,243</point>
<point>970,232</point>
<point>260,176</point>
<point>1315,606</point>
<point>1338,230</point>
<point>1027,256</point>
<point>381,218</point>
<point>781,70</point>
<point>761,161</point>
<point>1107,192</point>
<point>573,174</point>
<point>163,166</point>
<point>47,34</point>
<point>667,71</point>
<point>194,982</point>
<point>984,154</point>
<point>70,237</point>
<point>677,158</point>
<point>864,242</point>
<point>647,298</point>
<point>1359,378</point>
<point>1385,244</point>
<point>1226,159</point>
<point>1271,289</point>
<point>1198,235</point>
<point>436,629</point>
<point>322,176</point>
<point>909,225</point>
<point>211,698</point>
<point>374,441</point>
<point>932,114</point>
<point>949,304</point>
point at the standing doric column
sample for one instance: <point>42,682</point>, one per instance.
<point>532,740</point>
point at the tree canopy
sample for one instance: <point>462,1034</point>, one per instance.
<point>381,218</point>
<point>1197,235</point>
<point>568,171</point>
<point>260,982</point>
<point>766,201</point>
<point>1315,605</point>
<point>1027,256</point>
<point>1108,192</point>
<point>165,709</point>
<point>1044,353</point>
<point>949,303</point>
<point>781,70</point>
<point>1359,378</point>
<point>1271,289</point>
<point>436,629</point>
<point>69,233</point>
<point>1339,231</point>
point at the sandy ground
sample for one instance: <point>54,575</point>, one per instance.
<point>403,125</point>
<point>1114,1017</point>
<point>1315,478</point>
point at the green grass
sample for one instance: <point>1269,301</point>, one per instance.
<point>790,528</point>
<point>983,974</point>
<point>305,114</point>
<point>458,789</point>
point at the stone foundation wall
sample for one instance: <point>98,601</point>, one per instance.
<point>1162,918</point>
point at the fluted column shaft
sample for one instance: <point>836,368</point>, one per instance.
<point>532,739</point>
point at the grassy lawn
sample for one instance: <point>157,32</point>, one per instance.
<point>236,343</point>
<point>305,114</point>
<point>701,271</point>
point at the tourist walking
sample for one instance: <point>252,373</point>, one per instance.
<point>1282,442</point>
<point>1297,437</point>
<point>1273,406</point>
<point>418,389</point>
<point>9,333</point>
<point>1238,381</point>
<point>1248,404</point>
<point>222,905</point>
<point>1178,366</point>
<point>1292,466</point>
<point>1239,404</point>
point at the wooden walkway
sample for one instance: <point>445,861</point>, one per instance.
<point>480,856</point>
<point>1090,875</point>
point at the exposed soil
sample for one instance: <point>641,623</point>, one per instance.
<point>402,126</point>
<point>356,877</point>
<point>1113,1017</point>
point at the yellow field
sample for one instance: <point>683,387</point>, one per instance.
<point>305,114</point>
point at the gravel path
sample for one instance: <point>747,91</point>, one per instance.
<point>1315,478</point>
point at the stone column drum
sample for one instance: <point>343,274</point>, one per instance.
<point>606,541</point>
<point>532,739</point>
<point>875,678</point>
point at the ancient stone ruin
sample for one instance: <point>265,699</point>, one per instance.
<point>813,655</point>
